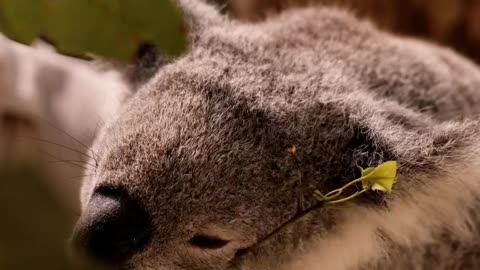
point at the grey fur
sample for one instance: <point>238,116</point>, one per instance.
<point>203,145</point>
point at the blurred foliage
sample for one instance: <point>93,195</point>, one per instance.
<point>33,228</point>
<point>112,29</point>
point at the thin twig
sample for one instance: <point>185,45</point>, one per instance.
<point>301,196</point>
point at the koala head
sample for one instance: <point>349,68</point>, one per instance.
<point>195,171</point>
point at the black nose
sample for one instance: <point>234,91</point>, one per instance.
<point>112,228</point>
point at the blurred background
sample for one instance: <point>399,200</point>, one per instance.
<point>455,23</point>
<point>51,107</point>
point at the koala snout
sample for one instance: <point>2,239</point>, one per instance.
<point>112,228</point>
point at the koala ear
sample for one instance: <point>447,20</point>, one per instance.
<point>147,62</point>
<point>200,15</point>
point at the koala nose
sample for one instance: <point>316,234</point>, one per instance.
<point>112,229</point>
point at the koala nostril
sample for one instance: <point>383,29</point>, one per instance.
<point>112,228</point>
<point>207,242</point>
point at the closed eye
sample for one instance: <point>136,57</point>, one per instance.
<point>207,242</point>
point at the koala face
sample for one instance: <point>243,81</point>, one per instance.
<point>191,172</point>
<point>196,167</point>
<point>211,174</point>
<point>195,170</point>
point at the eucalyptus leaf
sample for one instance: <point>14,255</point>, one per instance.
<point>113,29</point>
<point>380,178</point>
<point>366,171</point>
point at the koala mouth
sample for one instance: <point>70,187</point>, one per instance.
<point>242,253</point>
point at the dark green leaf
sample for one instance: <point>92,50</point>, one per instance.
<point>112,29</point>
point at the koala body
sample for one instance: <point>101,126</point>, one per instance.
<point>194,171</point>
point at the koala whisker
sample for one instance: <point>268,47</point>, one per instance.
<point>73,161</point>
<point>84,145</point>
<point>62,131</point>
<point>80,176</point>
<point>88,166</point>
<point>59,145</point>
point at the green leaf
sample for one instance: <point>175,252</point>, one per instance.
<point>380,178</point>
<point>366,171</point>
<point>112,29</point>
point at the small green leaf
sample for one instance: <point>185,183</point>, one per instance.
<point>378,187</point>
<point>366,171</point>
<point>380,178</point>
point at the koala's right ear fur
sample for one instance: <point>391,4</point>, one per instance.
<point>199,17</point>
<point>148,60</point>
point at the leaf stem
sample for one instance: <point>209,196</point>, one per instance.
<point>358,180</point>
<point>301,196</point>
<point>358,193</point>
<point>332,195</point>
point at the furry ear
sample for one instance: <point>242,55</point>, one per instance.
<point>147,62</point>
<point>200,15</point>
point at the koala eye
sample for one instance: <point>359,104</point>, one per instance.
<point>207,242</point>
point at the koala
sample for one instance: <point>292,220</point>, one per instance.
<point>194,171</point>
